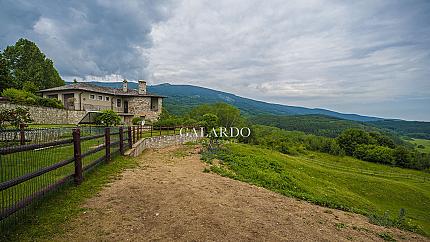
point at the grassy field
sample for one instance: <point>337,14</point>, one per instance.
<point>422,145</point>
<point>338,182</point>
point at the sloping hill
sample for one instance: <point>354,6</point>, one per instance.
<point>182,98</point>
<point>192,96</point>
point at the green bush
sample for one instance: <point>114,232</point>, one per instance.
<point>136,120</point>
<point>28,98</point>
<point>375,153</point>
<point>14,117</point>
<point>19,96</point>
<point>108,118</point>
<point>49,102</point>
<point>169,122</point>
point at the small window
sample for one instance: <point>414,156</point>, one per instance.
<point>101,98</point>
<point>118,102</point>
<point>54,96</point>
<point>107,98</point>
<point>92,96</point>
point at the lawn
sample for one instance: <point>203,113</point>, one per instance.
<point>338,182</point>
<point>422,145</point>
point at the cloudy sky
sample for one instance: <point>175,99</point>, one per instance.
<point>367,57</point>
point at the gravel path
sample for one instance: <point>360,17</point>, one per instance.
<point>169,197</point>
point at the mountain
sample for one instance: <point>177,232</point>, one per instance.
<point>189,96</point>
<point>182,98</point>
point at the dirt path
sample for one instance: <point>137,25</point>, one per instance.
<point>169,197</point>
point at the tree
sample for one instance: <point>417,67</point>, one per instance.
<point>382,140</point>
<point>108,118</point>
<point>228,115</point>
<point>210,121</point>
<point>26,63</point>
<point>350,138</point>
<point>5,77</point>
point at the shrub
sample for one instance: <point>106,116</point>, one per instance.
<point>50,102</point>
<point>28,98</point>
<point>14,117</point>
<point>169,122</point>
<point>375,153</point>
<point>136,120</point>
<point>19,96</point>
<point>108,118</point>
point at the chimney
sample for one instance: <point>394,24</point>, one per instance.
<point>124,86</point>
<point>142,87</point>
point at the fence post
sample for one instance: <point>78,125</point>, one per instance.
<point>134,134</point>
<point>130,144</point>
<point>160,130</point>
<point>22,133</point>
<point>174,129</point>
<point>121,140</point>
<point>151,130</point>
<point>77,155</point>
<point>107,143</point>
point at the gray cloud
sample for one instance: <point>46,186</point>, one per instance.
<point>369,57</point>
<point>99,39</point>
<point>331,54</point>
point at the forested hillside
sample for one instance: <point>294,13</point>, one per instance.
<point>183,98</point>
<point>414,129</point>
<point>311,124</point>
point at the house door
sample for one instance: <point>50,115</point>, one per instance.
<point>125,106</point>
<point>69,101</point>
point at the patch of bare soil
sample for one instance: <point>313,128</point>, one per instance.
<point>169,197</point>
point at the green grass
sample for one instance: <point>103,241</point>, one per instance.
<point>19,164</point>
<point>48,216</point>
<point>34,126</point>
<point>422,145</point>
<point>338,182</point>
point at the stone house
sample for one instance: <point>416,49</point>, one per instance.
<point>128,103</point>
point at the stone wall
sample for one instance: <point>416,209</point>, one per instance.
<point>141,106</point>
<point>159,142</point>
<point>45,115</point>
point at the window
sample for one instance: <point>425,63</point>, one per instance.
<point>101,98</point>
<point>92,96</point>
<point>154,103</point>
<point>55,96</point>
<point>107,98</point>
<point>118,102</point>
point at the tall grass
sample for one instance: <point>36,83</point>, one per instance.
<point>366,188</point>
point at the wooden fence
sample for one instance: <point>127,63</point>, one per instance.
<point>30,170</point>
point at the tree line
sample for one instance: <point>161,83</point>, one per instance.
<point>360,141</point>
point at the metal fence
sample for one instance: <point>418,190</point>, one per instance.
<point>36,162</point>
